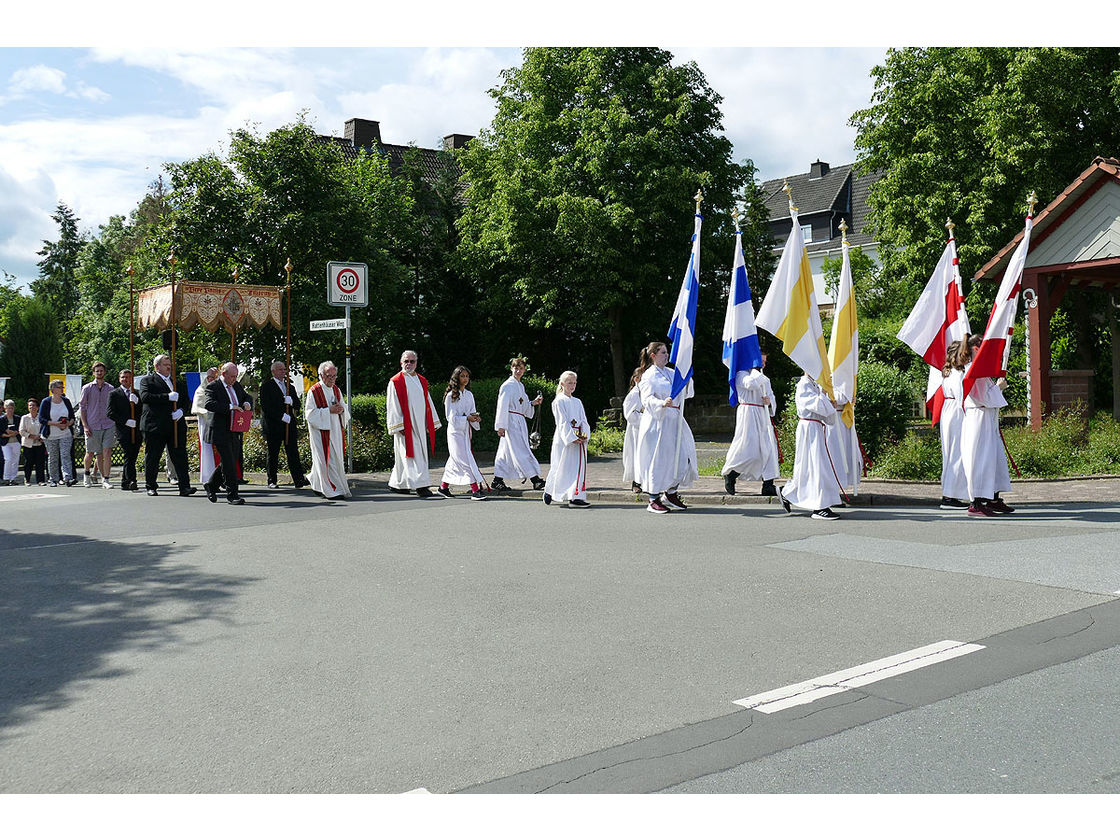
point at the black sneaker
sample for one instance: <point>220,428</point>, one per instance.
<point>1000,506</point>
<point>785,503</point>
<point>826,513</point>
<point>404,491</point>
<point>445,492</point>
<point>538,482</point>
<point>547,499</point>
<point>768,488</point>
<point>476,496</point>
<point>498,484</point>
<point>579,503</point>
<point>673,501</point>
<point>953,504</point>
<point>424,492</point>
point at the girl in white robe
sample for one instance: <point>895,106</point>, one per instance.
<point>985,461</point>
<point>459,409</point>
<point>567,470</point>
<point>814,484</point>
<point>514,458</point>
<point>753,453</point>
<point>632,413</point>
<point>206,464</point>
<point>666,461</point>
<point>954,482</point>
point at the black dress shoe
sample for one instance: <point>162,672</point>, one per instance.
<point>237,500</point>
<point>153,493</point>
<point>404,491</point>
<point>729,482</point>
<point>212,496</point>
<point>190,491</point>
<point>303,482</point>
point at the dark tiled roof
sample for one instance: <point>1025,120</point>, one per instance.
<point>828,193</point>
<point>431,161</point>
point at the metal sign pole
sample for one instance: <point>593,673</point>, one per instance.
<point>349,406</point>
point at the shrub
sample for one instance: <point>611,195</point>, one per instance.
<point>917,457</point>
<point>605,437</point>
<point>1102,455</point>
<point>883,399</point>
<point>1056,450</point>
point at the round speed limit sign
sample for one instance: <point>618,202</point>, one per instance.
<point>347,284</point>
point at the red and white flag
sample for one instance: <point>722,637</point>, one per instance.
<point>937,320</point>
<point>990,358</point>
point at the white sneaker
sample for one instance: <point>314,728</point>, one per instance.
<point>53,483</point>
<point>105,484</point>
<point>86,482</point>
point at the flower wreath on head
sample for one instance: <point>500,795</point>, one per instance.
<point>524,361</point>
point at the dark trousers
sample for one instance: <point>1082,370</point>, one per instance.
<point>227,471</point>
<point>291,449</point>
<point>154,444</point>
<point>131,451</point>
<point>35,457</point>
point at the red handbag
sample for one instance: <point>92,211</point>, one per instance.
<point>240,420</point>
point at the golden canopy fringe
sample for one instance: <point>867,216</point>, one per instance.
<point>212,305</point>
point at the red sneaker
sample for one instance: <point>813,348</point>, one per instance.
<point>655,506</point>
<point>979,510</point>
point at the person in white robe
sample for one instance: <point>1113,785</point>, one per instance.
<point>954,482</point>
<point>666,457</point>
<point>515,459</point>
<point>753,453</point>
<point>327,418</point>
<point>206,462</point>
<point>985,460</point>
<point>814,484</point>
<point>632,414</point>
<point>462,417</point>
<point>412,420</point>
<point>567,469</point>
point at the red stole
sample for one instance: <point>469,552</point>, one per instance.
<point>402,397</point>
<point>321,402</point>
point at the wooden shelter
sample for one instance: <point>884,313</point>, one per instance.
<point>1075,243</point>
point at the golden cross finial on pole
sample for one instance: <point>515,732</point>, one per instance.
<point>949,224</point>
<point>1032,200</point>
<point>171,259</point>
<point>698,198</point>
<point>288,268</point>
<point>735,215</point>
<point>844,231</point>
<point>788,190</point>
<point>236,274</point>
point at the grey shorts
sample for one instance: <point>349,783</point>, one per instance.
<point>101,439</point>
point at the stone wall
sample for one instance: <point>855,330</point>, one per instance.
<point>1068,387</point>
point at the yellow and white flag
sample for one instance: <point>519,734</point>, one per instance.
<point>843,345</point>
<point>790,310</point>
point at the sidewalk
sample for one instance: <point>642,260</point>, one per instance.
<point>604,483</point>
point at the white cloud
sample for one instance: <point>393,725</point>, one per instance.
<point>37,78</point>
<point>25,208</point>
<point>93,94</point>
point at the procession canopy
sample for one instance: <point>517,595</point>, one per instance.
<point>212,305</point>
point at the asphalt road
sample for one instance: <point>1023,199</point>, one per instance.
<point>386,644</point>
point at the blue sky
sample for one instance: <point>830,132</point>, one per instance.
<point>91,127</point>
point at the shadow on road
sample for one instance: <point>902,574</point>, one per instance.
<point>68,602</point>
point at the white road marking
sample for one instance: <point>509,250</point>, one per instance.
<point>25,496</point>
<point>416,790</point>
<point>810,690</point>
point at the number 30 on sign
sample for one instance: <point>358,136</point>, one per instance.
<point>347,284</point>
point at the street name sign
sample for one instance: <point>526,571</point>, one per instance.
<point>329,324</point>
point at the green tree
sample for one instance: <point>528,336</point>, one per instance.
<point>55,284</point>
<point>32,348</point>
<point>579,196</point>
<point>966,133</point>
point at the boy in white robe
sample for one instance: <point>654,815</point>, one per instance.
<point>567,469</point>
<point>843,444</point>
<point>632,413</point>
<point>753,453</point>
<point>409,412</point>
<point>459,409</point>
<point>814,484</point>
<point>327,416</point>
<point>515,458</point>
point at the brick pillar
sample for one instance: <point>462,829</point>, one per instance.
<point>1039,320</point>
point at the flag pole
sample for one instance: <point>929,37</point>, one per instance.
<point>699,197</point>
<point>131,345</point>
<point>852,447</point>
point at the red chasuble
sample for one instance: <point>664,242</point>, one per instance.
<point>402,398</point>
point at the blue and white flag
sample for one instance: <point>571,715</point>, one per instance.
<point>740,338</point>
<point>682,329</point>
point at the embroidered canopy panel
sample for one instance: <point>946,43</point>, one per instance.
<point>212,305</point>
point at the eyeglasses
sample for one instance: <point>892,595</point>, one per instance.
<point>408,362</point>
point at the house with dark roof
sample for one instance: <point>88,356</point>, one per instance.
<point>824,196</point>
<point>359,134</point>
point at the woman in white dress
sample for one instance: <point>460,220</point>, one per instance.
<point>462,417</point>
<point>567,470</point>
<point>954,483</point>
<point>985,461</point>
<point>632,413</point>
<point>753,453</point>
<point>666,462</point>
<point>814,484</point>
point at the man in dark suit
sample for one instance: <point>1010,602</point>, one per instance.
<point>124,410</point>
<point>279,410</point>
<point>161,421</point>
<point>223,395</point>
